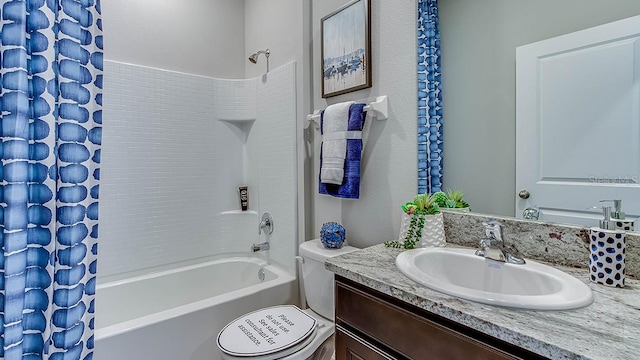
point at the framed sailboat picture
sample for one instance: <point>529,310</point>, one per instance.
<point>346,49</point>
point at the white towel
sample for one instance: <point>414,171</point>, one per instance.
<point>334,120</point>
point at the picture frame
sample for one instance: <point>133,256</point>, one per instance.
<point>346,49</point>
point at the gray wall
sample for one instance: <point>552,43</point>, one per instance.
<point>291,29</point>
<point>478,51</point>
<point>478,63</point>
<point>283,26</point>
<point>390,157</point>
<point>203,37</point>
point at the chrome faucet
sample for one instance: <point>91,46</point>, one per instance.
<point>260,247</point>
<point>492,246</point>
<point>531,213</point>
<point>266,223</point>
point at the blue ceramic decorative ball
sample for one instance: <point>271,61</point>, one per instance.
<point>332,235</point>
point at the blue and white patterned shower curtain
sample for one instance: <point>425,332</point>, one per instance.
<point>429,99</point>
<point>51,76</point>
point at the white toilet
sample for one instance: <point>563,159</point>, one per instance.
<point>285,332</point>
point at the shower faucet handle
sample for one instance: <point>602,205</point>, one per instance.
<point>266,223</point>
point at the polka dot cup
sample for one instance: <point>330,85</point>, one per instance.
<point>606,262</point>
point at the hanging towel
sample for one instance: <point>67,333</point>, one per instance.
<point>334,123</point>
<point>349,137</point>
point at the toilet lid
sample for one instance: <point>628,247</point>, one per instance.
<point>266,331</point>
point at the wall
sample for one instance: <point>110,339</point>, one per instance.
<point>291,29</point>
<point>478,63</point>
<point>161,185</point>
<point>177,148</point>
<point>283,26</point>
<point>479,40</point>
<point>167,190</point>
<point>273,141</point>
<point>390,158</point>
<point>204,37</point>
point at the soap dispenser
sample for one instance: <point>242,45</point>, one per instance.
<point>606,261</point>
<point>618,216</point>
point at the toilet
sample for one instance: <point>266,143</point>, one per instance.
<point>286,332</point>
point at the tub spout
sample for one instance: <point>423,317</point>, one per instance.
<point>260,247</point>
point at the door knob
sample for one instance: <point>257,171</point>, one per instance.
<point>524,194</point>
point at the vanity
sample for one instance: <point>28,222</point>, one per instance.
<point>373,325</point>
<point>382,314</point>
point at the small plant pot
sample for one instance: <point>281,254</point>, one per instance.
<point>432,231</point>
<point>405,222</point>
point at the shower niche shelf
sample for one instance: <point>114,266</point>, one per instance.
<point>240,127</point>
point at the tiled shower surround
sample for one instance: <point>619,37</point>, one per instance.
<point>175,149</point>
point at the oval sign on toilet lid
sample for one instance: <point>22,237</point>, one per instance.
<point>266,331</point>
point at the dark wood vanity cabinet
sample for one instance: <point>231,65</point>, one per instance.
<point>371,325</point>
<point>352,347</point>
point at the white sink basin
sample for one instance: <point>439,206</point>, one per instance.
<point>461,273</point>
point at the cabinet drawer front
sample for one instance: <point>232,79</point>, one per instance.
<point>407,333</point>
<point>352,347</point>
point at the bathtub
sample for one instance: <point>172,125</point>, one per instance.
<point>176,314</point>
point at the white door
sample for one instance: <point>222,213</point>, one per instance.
<point>578,123</point>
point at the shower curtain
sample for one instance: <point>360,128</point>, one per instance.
<point>51,76</point>
<point>429,99</point>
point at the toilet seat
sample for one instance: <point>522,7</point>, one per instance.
<point>269,333</point>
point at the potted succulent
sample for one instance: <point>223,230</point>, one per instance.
<point>451,200</point>
<point>421,224</point>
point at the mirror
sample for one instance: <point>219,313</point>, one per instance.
<point>478,42</point>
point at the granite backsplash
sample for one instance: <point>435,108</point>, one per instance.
<point>555,243</point>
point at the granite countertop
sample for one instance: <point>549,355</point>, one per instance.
<point>607,329</point>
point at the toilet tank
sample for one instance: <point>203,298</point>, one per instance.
<point>318,281</point>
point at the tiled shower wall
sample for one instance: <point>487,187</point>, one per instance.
<point>175,149</point>
<point>275,145</point>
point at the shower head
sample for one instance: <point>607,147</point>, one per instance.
<point>254,57</point>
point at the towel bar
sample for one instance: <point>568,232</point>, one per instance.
<point>379,109</point>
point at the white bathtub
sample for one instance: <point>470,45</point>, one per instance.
<point>177,314</point>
